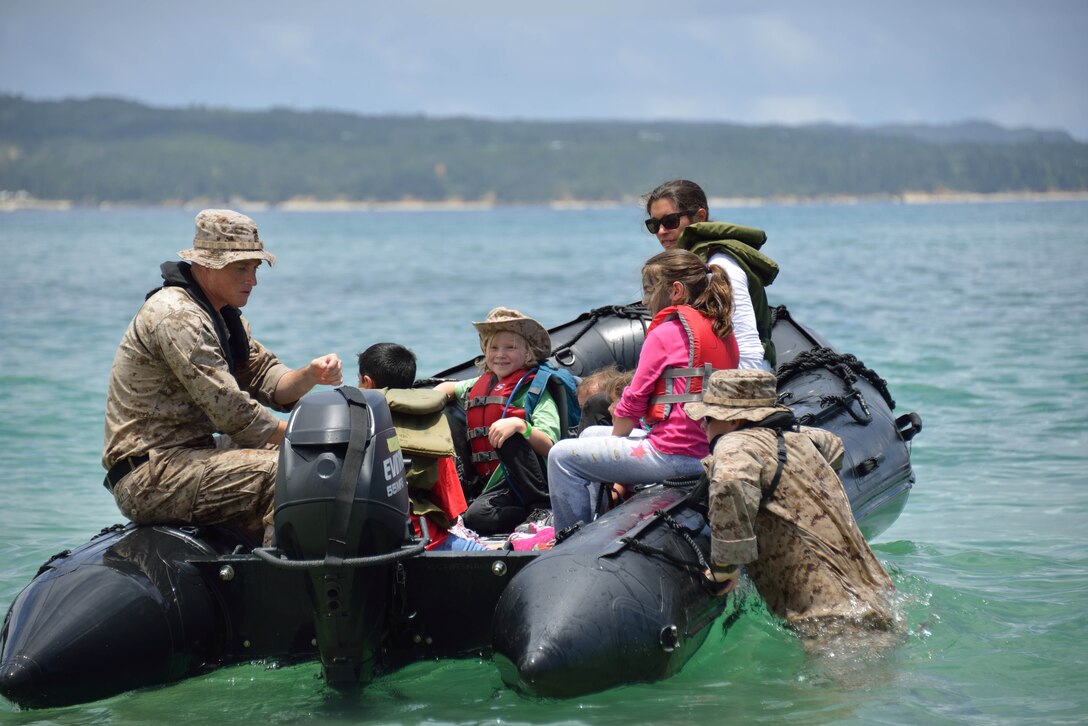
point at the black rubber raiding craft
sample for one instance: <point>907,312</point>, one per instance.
<point>618,601</point>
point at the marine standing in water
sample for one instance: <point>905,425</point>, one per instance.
<point>789,523</point>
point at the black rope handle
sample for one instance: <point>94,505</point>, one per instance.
<point>633,311</point>
<point>698,566</point>
<point>845,366</point>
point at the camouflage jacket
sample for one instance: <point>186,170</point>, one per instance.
<point>171,386</point>
<point>741,468</point>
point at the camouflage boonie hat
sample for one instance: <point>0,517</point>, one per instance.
<point>512,321</point>
<point>730,395</point>
<point>224,236</point>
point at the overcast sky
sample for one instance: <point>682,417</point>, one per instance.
<point>863,62</point>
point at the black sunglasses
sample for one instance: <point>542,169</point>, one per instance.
<point>669,221</point>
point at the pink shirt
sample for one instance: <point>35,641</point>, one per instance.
<point>666,345</point>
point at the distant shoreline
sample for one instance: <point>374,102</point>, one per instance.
<point>13,202</point>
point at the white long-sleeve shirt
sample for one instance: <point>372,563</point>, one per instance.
<point>744,314</point>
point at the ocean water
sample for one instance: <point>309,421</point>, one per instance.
<point>974,313</point>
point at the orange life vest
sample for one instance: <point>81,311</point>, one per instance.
<point>706,354</point>
<point>487,403</point>
<point>449,497</point>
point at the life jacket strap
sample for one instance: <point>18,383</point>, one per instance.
<point>700,373</point>
<point>697,372</point>
<point>487,400</point>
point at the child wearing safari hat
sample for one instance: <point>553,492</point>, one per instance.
<point>789,523</point>
<point>508,434</point>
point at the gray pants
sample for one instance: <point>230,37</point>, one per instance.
<point>576,468</point>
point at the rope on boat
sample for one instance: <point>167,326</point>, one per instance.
<point>59,556</point>
<point>276,558</point>
<point>778,312</point>
<point>844,365</point>
<point>66,552</point>
<point>696,567</point>
<point>632,311</point>
<point>270,555</point>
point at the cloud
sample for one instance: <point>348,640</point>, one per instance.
<point>782,44</point>
<point>791,61</point>
<point>278,43</point>
<point>792,110</point>
<point>1064,110</point>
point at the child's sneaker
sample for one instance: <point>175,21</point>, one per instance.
<point>542,539</point>
<point>535,521</point>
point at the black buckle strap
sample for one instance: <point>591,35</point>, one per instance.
<point>121,469</point>
<point>358,442</point>
<point>778,470</point>
<point>484,456</point>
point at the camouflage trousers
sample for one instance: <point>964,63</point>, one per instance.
<point>203,487</point>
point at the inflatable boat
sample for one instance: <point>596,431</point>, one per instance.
<point>617,601</point>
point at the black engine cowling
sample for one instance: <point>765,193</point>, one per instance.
<point>341,504</point>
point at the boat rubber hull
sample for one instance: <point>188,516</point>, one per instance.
<point>141,606</point>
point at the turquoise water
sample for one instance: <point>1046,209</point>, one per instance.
<point>975,314</point>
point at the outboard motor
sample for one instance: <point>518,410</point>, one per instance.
<point>341,513</point>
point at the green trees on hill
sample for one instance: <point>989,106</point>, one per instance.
<point>99,150</point>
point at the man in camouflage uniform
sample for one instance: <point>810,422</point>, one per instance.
<point>801,545</point>
<point>187,368</point>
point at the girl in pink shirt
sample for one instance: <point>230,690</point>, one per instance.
<point>691,334</point>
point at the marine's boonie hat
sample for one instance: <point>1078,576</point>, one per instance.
<point>224,236</point>
<point>512,321</point>
<point>732,395</point>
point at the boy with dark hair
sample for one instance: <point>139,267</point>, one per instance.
<point>387,365</point>
<point>424,437</point>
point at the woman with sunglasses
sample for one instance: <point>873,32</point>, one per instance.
<point>679,217</point>
<point>691,332</point>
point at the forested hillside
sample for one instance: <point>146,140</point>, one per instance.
<point>108,150</point>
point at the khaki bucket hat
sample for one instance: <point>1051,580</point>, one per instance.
<point>749,395</point>
<point>224,236</point>
<point>512,321</point>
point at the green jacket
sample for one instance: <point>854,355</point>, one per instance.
<point>742,243</point>
<point>424,437</point>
